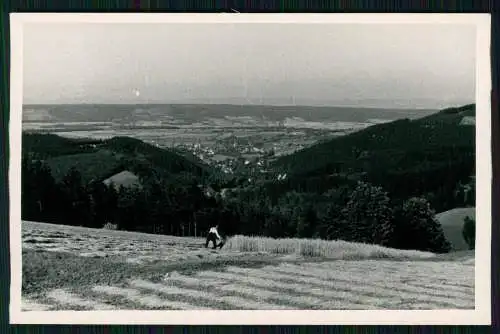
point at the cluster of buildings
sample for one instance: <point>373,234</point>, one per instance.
<point>229,161</point>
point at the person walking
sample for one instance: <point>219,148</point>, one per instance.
<point>213,236</point>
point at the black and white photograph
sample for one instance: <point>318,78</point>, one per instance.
<point>250,162</point>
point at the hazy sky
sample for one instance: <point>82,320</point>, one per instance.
<point>421,65</point>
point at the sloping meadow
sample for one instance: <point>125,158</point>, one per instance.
<point>59,273</point>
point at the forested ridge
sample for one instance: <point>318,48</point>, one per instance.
<point>423,157</point>
<point>380,185</point>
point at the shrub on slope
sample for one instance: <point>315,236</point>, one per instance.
<point>369,215</point>
<point>417,228</point>
<point>469,232</point>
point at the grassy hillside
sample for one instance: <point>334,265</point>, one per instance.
<point>93,269</point>
<point>452,222</point>
<point>99,159</point>
<point>407,157</point>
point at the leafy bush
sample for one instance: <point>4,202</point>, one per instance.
<point>417,228</point>
<point>469,232</point>
<point>369,214</point>
<point>110,226</point>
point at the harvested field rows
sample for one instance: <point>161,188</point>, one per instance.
<point>305,286</point>
<point>63,270</point>
<point>134,248</point>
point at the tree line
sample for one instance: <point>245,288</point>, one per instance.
<point>359,211</point>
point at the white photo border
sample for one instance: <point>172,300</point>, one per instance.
<point>481,315</point>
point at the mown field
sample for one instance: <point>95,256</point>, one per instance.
<point>74,268</point>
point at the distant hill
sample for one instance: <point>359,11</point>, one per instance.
<point>191,113</point>
<point>100,159</point>
<point>407,157</point>
<point>92,165</point>
<point>452,222</point>
<point>452,115</point>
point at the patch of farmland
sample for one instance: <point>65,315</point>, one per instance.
<point>76,268</point>
<point>285,286</point>
<point>131,247</point>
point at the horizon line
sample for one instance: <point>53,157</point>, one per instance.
<point>451,105</point>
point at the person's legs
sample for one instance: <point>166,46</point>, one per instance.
<point>211,237</point>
